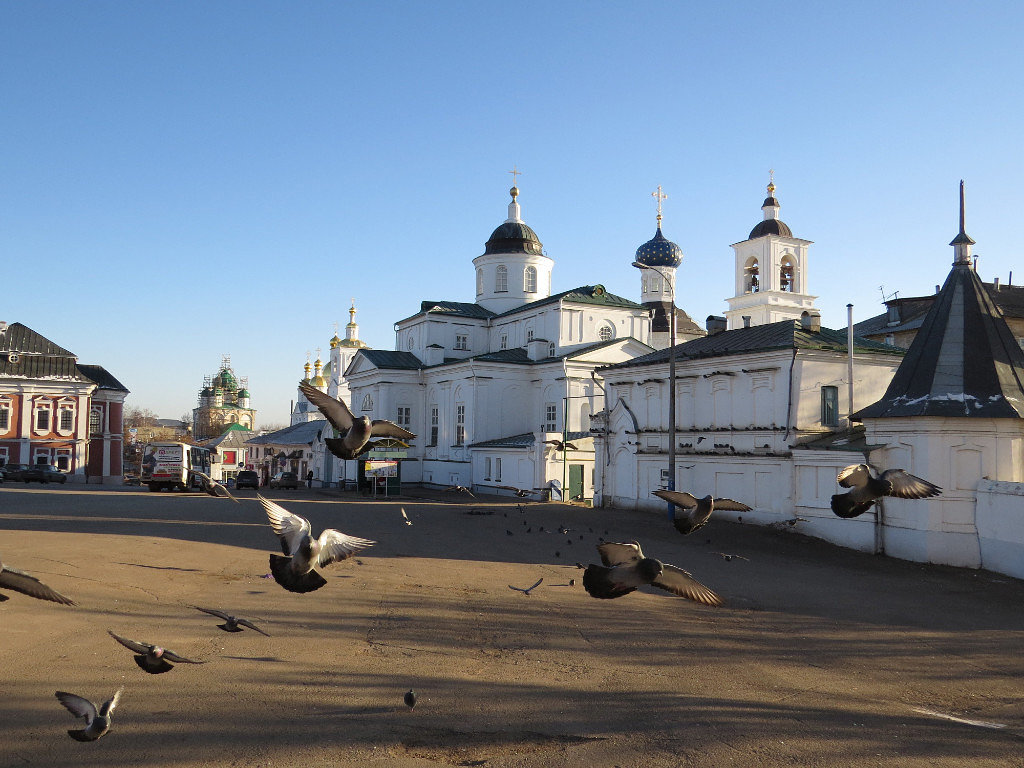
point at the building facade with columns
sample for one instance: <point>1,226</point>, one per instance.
<point>57,411</point>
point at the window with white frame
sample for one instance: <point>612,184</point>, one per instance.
<point>64,459</point>
<point>42,417</point>
<point>529,335</point>
<point>404,418</point>
<point>3,455</point>
<point>95,422</point>
<point>487,468</point>
<point>66,419</point>
<point>5,415</point>
<point>433,424</point>
<point>530,280</point>
<point>503,341</point>
<point>462,341</point>
<point>41,456</point>
<point>460,424</point>
<point>830,406</point>
<point>551,417</point>
<point>497,470</point>
<point>479,282</point>
<point>501,279</point>
<point>367,402</point>
<point>551,349</point>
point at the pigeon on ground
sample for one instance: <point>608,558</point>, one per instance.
<point>459,489</point>
<point>296,570</point>
<point>867,488</point>
<point>520,492</point>
<point>152,658</point>
<point>212,487</point>
<point>356,431</point>
<point>19,581</point>
<point>96,723</point>
<point>625,568</point>
<point>690,513</point>
<point>231,623</point>
<point>410,698</point>
<point>528,590</point>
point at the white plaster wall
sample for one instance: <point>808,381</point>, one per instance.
<point>1000,519</point>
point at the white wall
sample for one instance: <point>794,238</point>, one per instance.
<point>1001,527</point>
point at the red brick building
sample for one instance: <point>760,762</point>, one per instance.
<point>56,411</point>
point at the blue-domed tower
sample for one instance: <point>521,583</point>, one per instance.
<point>657,284</point>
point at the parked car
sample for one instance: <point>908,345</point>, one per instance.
<point>285,480</point>
<point>247,479</point>
<point>14,472</point>
<point>43,473</point>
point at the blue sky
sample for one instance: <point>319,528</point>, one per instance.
<point>180,181</point>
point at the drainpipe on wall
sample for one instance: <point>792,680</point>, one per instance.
<point>849,360</point>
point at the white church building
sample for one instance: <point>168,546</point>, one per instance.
<point>501,391</point>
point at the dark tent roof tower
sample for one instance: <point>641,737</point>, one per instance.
<point>964,361</point>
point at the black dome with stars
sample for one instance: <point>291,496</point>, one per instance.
<point>659,251</point>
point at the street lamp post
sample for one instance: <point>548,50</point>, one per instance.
<point>671,381</point>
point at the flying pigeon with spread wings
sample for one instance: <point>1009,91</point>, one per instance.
<point>356,431</point>
<point>296,571</point>
<point>212,487</point>
<point>690,513</point>
<point>868,488</point>
<point>625,568</point>
<point>96,723</point>
<point>19,581</point>
<point>152,658</point>
<point>231,623</point>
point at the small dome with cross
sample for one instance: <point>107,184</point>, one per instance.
<point>659,251</point>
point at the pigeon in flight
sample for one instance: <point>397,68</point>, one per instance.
<point>231,623</point>
<point>296,570</point>
<point>561,446</point>
<point>152,658</point>
<point>727,557</point>
<point>405,517</point>
<point>625,568</point>
<point>520,492</point>
<point>356,431</point>
<point>19,581</point>
<point>96,723</point>
<point>212,487</point>
<point>690,513</point>
<point>459,489</point>
<point>867,488</point>
<point>528,590</point>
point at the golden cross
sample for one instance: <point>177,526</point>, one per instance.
<point>659,197</point>
<point>515,173</point>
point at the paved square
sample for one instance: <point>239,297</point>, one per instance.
<point>820,657</point>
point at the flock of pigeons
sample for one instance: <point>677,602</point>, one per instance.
<point>623,569</point>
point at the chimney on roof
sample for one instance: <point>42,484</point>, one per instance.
<point>811,321</point>
<point>995,283</point>
<point>715,324</point>
<point>746,321</point>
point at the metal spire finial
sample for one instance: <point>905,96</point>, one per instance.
<point>771,182</point>
<point>659,196</point>
<point>515,189</point>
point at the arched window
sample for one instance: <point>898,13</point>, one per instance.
<point>367,403</point>
<point>751,277</point>
<point>551,349</point>
<point>606,332</point>
<point>787,275</point>
<point>501,279</point>
<point>530,280</point>
<point>479,282</point>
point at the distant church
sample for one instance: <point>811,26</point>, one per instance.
<point>223,402</point>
